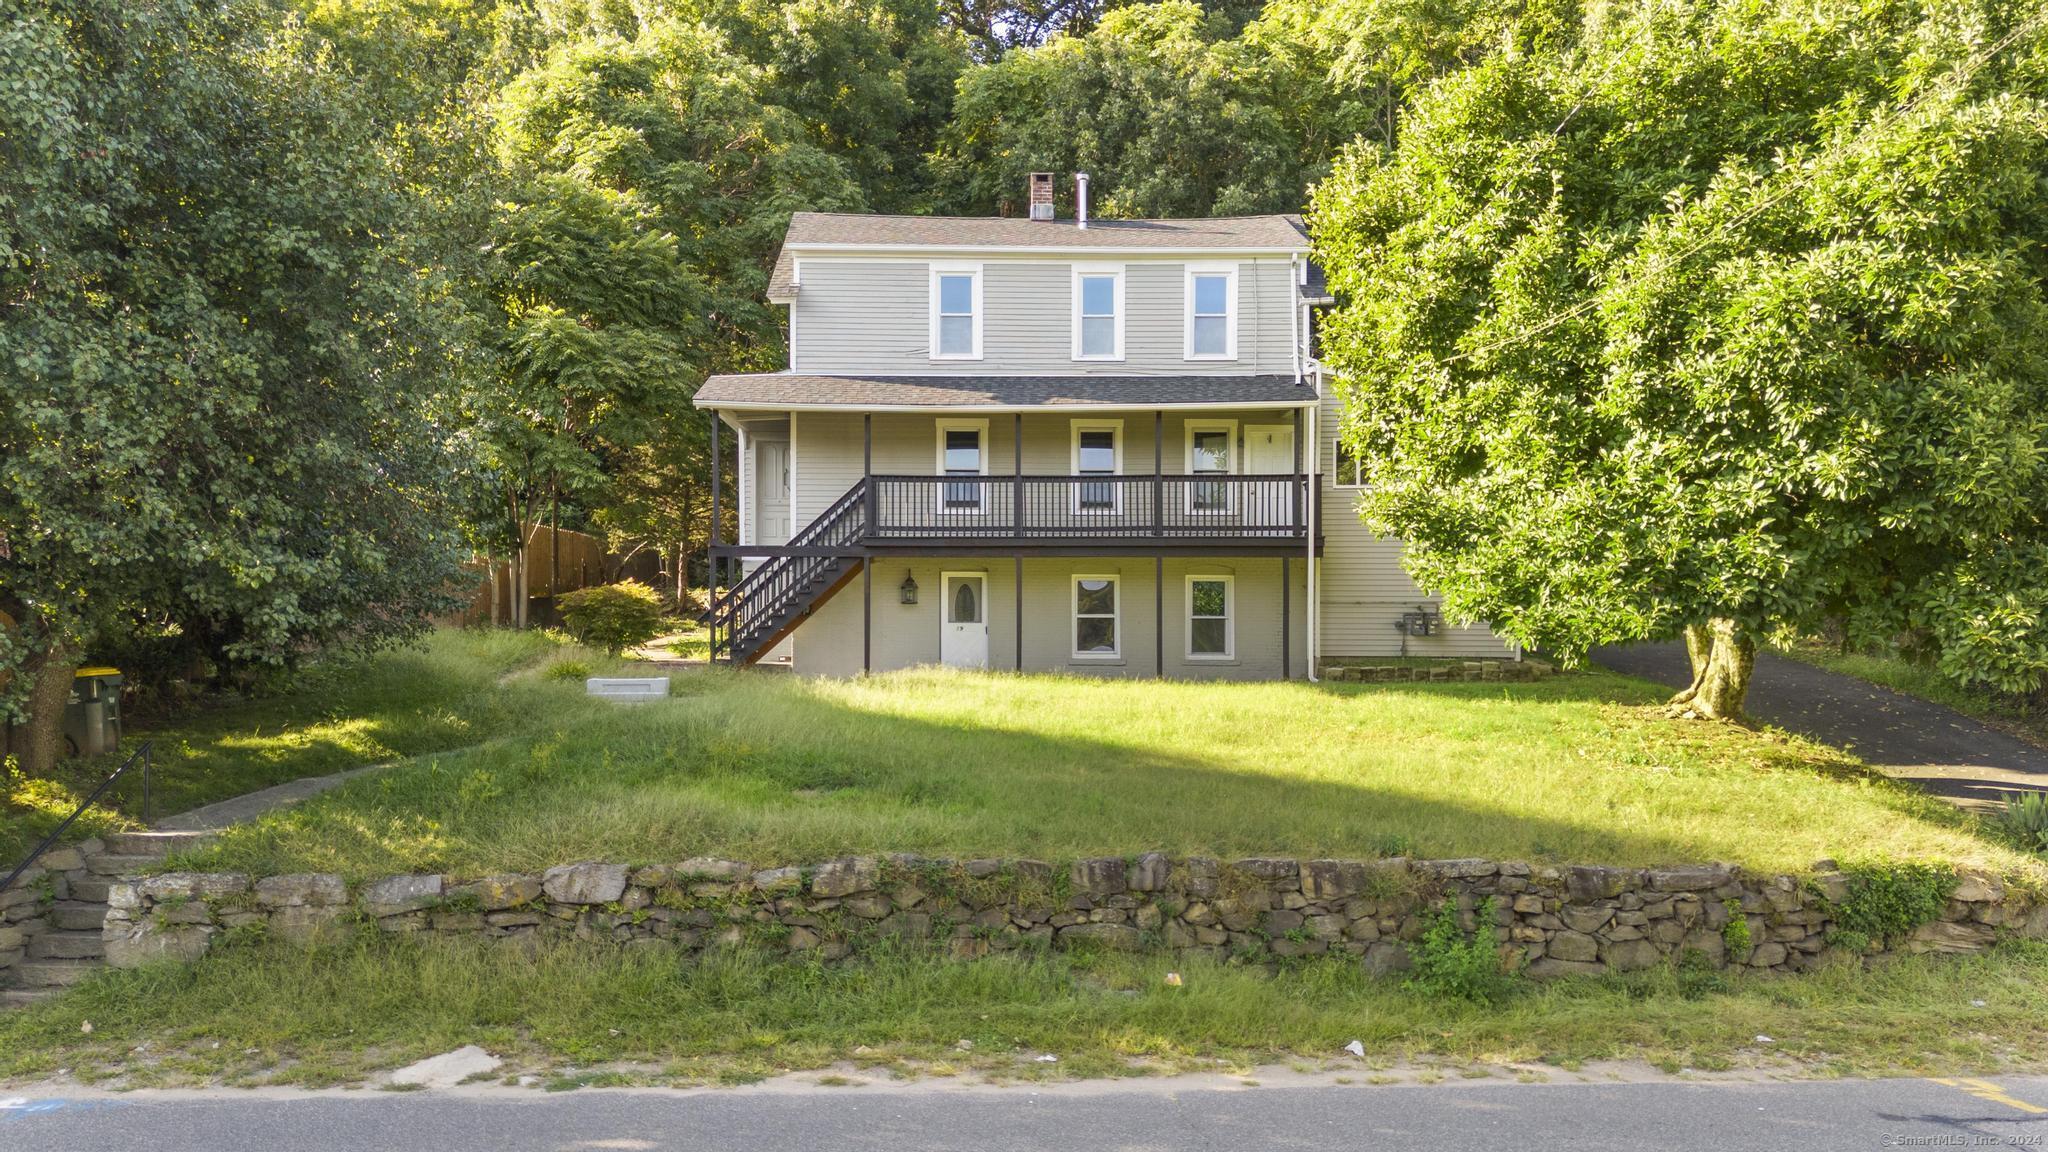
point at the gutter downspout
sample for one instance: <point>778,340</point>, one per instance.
<point>1294,313</point>
<point>1313,607</point>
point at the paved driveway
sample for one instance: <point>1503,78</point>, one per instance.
<point>1939,748</point>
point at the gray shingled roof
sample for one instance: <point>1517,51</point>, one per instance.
<point>789,389</point>
<point>842,229</point>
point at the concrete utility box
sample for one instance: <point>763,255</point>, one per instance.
<point>92,716</point>
<point>627,688</point>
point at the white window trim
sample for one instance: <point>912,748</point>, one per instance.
<point>1187,464</point>
<point>1116,616</point>
<point>940,428</point>
<point>952,268</point>
<point>1229,310</point>
<point>1116,429</point>
<point>1112,270</point>
<point>1229,652</point>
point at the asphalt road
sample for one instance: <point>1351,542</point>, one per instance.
<point>1936,747</point>
<point>1808,1116</point>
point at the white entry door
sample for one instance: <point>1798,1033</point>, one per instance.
<point>1269,451</point>
<point>771,487</point>
<point>963,636</point>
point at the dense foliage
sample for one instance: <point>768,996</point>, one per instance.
<point>1715,318</point>
<point>211,315</point>
<point>613,617</point>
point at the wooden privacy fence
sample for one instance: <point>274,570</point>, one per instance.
<point>583,563</point>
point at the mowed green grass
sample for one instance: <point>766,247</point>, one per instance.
<point>777,769</point>
<point>577,1013</point>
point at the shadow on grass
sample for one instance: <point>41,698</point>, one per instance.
<point>770,769</point>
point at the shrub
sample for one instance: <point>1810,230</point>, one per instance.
<point>1448,961</point>
<point>566,670</point>
<point>1735,933</point>
<point>613,617</point>
<point>1889,900</point>
<point>2025,819</point>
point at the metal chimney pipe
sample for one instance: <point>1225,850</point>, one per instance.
<point>1081,199</point>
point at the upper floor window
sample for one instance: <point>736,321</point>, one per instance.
<point>1098,450</point>
<point>1212,312</point>
<point>1350,470</point>
<point>1098,312</point>
<point>956,311</point>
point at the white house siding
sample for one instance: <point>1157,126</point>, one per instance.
<point>873,315</point>
<point>906,635</point>
<point>1364,588</point>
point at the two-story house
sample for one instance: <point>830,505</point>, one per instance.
<point>1053,444</point>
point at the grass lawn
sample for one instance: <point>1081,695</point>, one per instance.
<point>778,769</point>
<point>341,714</point>
<point>587,1014</point>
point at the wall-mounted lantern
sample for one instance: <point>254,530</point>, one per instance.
<point>909,589</point>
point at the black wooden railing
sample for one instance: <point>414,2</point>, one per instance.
<point>1089,507</point>
<point>139,756</point>
<point>745,616</point>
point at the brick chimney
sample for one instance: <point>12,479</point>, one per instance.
<point>1041,196</point>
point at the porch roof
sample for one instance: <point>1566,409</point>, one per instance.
<point>799,391</point>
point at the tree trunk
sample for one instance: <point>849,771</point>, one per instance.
<point>518,582</point>
<point>1723,654</point>
<point>39,743</point>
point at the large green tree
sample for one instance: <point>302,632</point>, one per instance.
<point>1715,319</point>
<point>213,344</point>
<point>656,180</point>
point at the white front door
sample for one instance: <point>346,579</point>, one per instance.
<point>771,487</point>
<point>963,635</point>
<point>1269,451</point>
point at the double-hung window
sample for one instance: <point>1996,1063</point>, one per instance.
<point>956,312</point>
<point>1212,312</point>
<point>1098,451</point>
<point>1098,312</point>
<point>1212,455</point>
<point>1350,470</point>
<point>1095,618</point>
<point>963,453</point>
<point>1211,631</point>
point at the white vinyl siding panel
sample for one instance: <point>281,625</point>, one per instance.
<point>874,315</point>
<point>1364,588</point>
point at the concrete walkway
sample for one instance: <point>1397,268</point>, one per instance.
<point>250,805</point>
<point>1944,751</point>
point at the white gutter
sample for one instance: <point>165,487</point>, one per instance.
<point>1163,251</point>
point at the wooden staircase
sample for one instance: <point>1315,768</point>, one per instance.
<point>754,616</point>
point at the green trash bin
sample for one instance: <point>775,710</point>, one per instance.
<point>92,716</point>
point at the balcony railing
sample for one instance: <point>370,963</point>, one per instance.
<point>1199,507</point>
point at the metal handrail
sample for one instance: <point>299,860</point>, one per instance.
<point>748,607</point>
<point>140,754</point>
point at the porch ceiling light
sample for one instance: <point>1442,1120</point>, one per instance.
<point>909,588</point>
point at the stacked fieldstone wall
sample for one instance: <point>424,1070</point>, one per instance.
<point>1439,670</point>
<point>26,909</point>
<point>1548,921</point>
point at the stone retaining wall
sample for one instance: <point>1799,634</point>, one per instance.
<point>25,909</point>
<point>1548,921</point>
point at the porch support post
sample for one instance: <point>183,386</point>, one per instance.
<point>717,499</point>
<point>1286,578</point>
<point>1158,472</point>
<point>867,471</point>
<point>1159,614</point>
<point>1017,485</point>
<point>1019,597</point>
<point>867,615</point>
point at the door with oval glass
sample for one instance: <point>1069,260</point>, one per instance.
<point>963,635</point>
